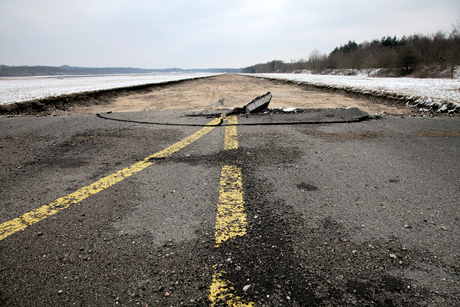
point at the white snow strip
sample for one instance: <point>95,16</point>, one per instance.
<point>18,89</point>
<point>441,94</point>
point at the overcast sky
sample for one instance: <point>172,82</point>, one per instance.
<point>203,33</point>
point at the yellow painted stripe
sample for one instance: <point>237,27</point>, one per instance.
<point>231,141</point>
<point>221,292</point>
<point>231,220</point>
<point>190,139</point>
<point>36,215</point>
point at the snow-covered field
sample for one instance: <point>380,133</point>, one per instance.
<point>17,89</point>
<point>442,94</point>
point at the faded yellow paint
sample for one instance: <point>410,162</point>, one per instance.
<point>190,139</point>
<point>231,141</point>
<point>231,220</point>
<point>36,215</point>
<point>221,292</point>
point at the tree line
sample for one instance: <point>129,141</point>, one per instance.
<point>416,54</point>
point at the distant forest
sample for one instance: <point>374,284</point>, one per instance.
<point>15,71</point>
<point>418,55</point>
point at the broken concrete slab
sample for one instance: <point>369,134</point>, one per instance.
<point>305,116</point>
<point>257,104</point>
<point>275,117</point>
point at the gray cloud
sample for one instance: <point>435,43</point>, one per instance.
<point>192,34</point>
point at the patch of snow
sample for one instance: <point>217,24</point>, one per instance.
<point>287,110</point>
<point>441,94</point>
<point>18,89</point>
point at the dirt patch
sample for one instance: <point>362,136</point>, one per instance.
<point>229,91</point>
<point>440,134</point>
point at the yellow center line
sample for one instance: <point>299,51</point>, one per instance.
<point>36,215</point>
<point>231,140</point>
<point>221,290</point>
<point>231,219</point>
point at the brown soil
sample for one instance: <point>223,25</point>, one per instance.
<point>440,134</point>
<point>229,91</point>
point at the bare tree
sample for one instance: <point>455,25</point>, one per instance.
<point>407,58</point>
<point>317,61</point>
<point>454,54</point>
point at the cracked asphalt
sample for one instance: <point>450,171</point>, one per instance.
<point>341,211</point>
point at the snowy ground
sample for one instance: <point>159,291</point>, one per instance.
<point>441,94</point>
<point>18,89</point>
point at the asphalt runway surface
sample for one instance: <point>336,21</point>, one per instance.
<point>163,208</point>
